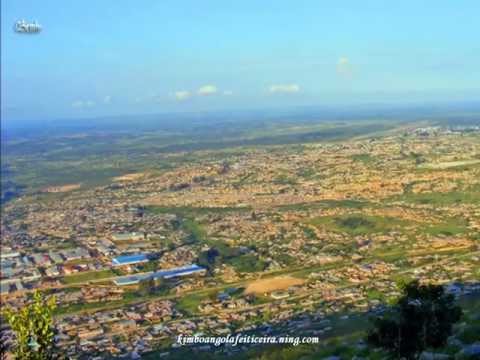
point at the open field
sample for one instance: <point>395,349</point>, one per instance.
<point>268,285</point>
<point>449,164</point>
<point>87,276</point>
<point>129,177</point>
<point>62,188</point>
<point>358,224</point>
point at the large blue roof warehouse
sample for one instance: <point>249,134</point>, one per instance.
<point>180,271</point>
<point>129,259</point>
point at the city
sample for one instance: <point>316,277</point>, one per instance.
<point>288,238</point>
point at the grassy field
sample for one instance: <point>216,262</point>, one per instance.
<point>449,164</point>
<point>470,195</point>
<point>189,304</point>
<point>351,204</point>
<point>451,227</point>
<point>364,158</point>
<point>358,224</point>
<point>87,276</point>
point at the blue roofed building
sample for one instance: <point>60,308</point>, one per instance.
<point>165,274</point>
<point>180,271</point>
<point>129,280</point>
<point>129,260</point>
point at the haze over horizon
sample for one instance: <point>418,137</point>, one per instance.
<point>111,59</point>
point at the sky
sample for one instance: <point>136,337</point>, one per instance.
<point>113,57</point>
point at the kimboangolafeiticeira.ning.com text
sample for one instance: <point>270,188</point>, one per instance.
<point>239,339</point>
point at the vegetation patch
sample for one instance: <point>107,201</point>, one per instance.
<point>449,164</point>
<point>365,158</point>
<point>248,263</point>
<point>195,232</point>
<point>467,196</point>
<point>359,224</point>
<point>452,227</point>
<point>87,276</point>
<point>345,203</point>
<point>189,303</point>
<point>240,258</point>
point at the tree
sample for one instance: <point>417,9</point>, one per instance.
<point>422,318</point>
<point>33,328</point>
<point>3,345</point>
<point>147,287</point>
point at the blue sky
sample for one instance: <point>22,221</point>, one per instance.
<point>96,58</point>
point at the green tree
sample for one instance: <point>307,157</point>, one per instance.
<point>33,328</point>
<point>422,318</point>
<point>147,287</point>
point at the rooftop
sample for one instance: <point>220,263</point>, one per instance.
<point>129,259</point>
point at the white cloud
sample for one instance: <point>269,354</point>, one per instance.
<point>284,88</point>
<point>343,61</point>
<point>344,68</point>
<point>207,90</point>
<point>107,99</point>
<point>82,104</point>
<point>182,95</point>
<point>228,92</point>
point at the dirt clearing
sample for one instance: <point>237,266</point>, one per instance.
<point>129,177</point>
<point>62,188</point>
<point>268,285</point>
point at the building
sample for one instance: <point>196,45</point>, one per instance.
<point>165,274</point>
<point>129,260</point>
<point>180,271</point>
<point>90,333</point>
<point>133,236</point>
<point>75,254</point>
<point>52,271</point>
<point>9,254</point>
<point>41,259</point>
<point>129,280</point>
<point>123,326</point>
<point>56,258</point>
<point>4,287</point>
